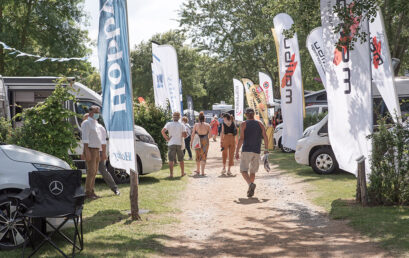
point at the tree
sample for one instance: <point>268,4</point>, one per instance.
<point>47,28</point>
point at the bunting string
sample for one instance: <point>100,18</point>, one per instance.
<point>40,58</point>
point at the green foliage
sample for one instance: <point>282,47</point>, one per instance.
<point>389,179</point>
<point>310,120</point>
<point>5,130</point>
<point>153,119</point>
<point>46,126</point>
<point>46,28</point>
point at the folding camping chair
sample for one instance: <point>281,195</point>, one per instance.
<point>52,194</point>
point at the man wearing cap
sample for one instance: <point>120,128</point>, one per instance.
<point>251,132</point>
<point>176,134</point>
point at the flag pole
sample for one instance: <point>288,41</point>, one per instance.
<point>133,195</point>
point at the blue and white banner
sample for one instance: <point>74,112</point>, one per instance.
<point>166,57</point>
<point>40,58</point>
<point>159,85</point>
<point>117,98</point>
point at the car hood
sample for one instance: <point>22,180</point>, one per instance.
<point>21,154</point>
<point>140,130</point>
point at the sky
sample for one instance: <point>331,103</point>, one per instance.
<point>146,18</point>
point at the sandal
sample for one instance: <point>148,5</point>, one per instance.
<point>229,173</point>
<point>223,172</point>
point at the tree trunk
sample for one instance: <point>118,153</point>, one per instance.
<point>134,196</point>
<point>26,24</point>
<point>1,47</point>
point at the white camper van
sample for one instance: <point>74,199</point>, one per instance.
<point>26,92</point>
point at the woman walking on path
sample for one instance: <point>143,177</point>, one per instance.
<point>228,142</point>
<point>203,130</point>
<point>185,121</point>
<point>214,124</point>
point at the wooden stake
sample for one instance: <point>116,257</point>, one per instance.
<point>134,196</point>
<point>361,182</point>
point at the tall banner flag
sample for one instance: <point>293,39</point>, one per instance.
<point>181,96</point>
<point>348,89</point>
<point>238,100</point>
<point>250,100</point>
<point>190,112</point>
<point>267,85</point>
<point>292,92</point>
<point>162,95</point>
<point>382,70</point>
<point>315,46</point>
<point>167,58</point>
<point>114,66</point>
<point>260,100</point>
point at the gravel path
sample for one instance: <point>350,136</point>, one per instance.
<point>219,220</point>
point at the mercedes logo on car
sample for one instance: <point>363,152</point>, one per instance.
<point>56,187</point>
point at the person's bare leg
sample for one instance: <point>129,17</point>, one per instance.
<point>182,167</point>
<point>252,177</point>
<point>246,177</point>
<point>203,164</point>
<point>171,168</point>
<point>197,167</point>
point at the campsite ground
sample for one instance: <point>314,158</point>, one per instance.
<point>292,214</point>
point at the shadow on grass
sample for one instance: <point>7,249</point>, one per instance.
<point>287,163</point>
<point>388,224</point>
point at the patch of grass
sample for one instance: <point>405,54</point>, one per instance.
<point>387,225</point>
<point>108,229</point>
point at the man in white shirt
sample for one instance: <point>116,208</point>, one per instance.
<point>176,134</point>
<point>92,144</point>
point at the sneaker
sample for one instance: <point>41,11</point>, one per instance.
<point>229,173</point>
<point>190,159</point>
<point>250,191</point>
<point>223,172</point>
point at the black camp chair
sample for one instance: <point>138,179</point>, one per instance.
<point>52,194</point>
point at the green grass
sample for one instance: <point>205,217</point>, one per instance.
<point>109,231</point>
<point>387,225</point>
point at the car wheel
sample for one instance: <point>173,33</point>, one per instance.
<point>323,161</point>
<point>12,228</point>
<point>119,175</point>
<point>285,149</point>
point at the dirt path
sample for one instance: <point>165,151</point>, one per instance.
<point>219,220</point>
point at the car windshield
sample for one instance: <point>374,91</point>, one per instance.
<point>82,107</point>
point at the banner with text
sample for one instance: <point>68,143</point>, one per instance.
<point>382,70</point>
<point>267,85</point>
<point>292,92</point>
<point>315,46</point>
<point>114,66</point>
<point>250,100</point>
<point>190,110</point>
<point>349,96</point>
<point>238,100</point>
<point>260,101</point>
<point>166,57</point>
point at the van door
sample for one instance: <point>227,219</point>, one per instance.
<point>4,104</point>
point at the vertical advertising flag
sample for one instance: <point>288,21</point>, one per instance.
<point>181,96</point>
<point>292,92</point>
<point>250,100</point>
<point>260,101</point>
<point>238,100</point>
<point>190,112</point>
<point>267,84</point>
<point>162,95</point>
<point>315,46</point>
<point>114,66</point>
<point>348,89</point>
<point>382,71</point>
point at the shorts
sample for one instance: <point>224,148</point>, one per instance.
<point>249,162</point>
<point>175,150</point>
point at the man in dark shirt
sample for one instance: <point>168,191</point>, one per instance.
<point>251,132</point>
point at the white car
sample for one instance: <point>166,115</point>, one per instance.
<point>278,135</point>
<point>314,149</point>
<point>15,164</point>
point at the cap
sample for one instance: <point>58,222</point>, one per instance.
<point>249,111</point>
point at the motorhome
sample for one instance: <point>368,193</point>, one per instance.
<point>18,93</point>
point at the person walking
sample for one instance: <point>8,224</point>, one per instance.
<point>177,133</point>
<point>92,145</point>
<point>102,133</point>
<point>251,132</point>
<point>203,130</point>
<point>228,142</point>
<point>220,124</point>
<point>214,124</point>
<point>185,121</point>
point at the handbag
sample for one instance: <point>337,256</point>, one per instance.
<point>196,142</point>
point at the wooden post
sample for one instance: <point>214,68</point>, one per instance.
<point>361,182</point>
<point>134,196</point>
<point>358,189</point>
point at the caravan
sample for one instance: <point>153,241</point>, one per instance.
<point>17,93</point>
